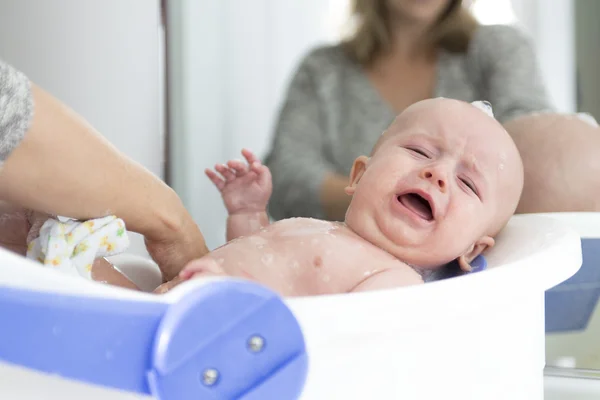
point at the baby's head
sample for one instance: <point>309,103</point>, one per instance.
<point>440,183</point>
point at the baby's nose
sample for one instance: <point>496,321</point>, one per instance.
<point>436,177</point>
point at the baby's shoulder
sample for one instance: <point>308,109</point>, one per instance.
<point>304,226</point>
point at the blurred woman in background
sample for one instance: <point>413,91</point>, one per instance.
<point>342,97</point>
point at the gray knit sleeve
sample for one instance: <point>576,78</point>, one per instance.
<point>16,108</point>
<point>511,77</point>
<point>296,159</point>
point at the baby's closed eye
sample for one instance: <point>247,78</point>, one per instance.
<point>419,151</point>
<point>470,185</point>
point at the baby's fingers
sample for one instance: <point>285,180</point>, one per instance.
<point>249,156</point>
<point>263,172</point>
<point>238,166</point>
<point>227,173</point>
<point>165,287</point>
<point>216,179</point>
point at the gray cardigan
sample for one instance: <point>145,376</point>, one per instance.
<point>15,109</point>
<point>332,113</point>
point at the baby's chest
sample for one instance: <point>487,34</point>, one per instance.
<point>330,266</point>
<point>303,261</point>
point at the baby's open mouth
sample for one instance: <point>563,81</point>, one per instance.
<point>417,204</point>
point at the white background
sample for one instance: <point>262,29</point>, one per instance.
<point>103,58</point>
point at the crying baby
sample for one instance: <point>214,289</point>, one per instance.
<point>438,186</point>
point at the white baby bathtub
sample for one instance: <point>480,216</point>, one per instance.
<point>479,336</point>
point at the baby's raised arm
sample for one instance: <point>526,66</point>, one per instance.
<point>245,189</point>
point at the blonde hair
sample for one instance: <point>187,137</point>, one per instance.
<point>372,37</point>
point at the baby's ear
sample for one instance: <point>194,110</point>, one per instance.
<point>476,249</point>
<point>358,169</point>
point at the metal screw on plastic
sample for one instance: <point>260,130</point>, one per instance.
<point>210,377</point>
<point>256,344</point>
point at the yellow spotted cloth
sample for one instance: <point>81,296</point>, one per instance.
<point>71,246</point>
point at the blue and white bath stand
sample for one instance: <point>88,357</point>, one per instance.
<point>227,340</point>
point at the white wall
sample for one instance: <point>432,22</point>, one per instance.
<point>551,26</point>
<point>230,61</point>
<point>104,58</point>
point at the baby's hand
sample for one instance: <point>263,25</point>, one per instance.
<point>244,187</point>
<point>165,287</point>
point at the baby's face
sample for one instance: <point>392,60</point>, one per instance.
<point>442,181</point>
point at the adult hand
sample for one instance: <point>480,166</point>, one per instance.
<point>39,175</point>
<point>18,226</point>
<point>175,248</point>
<point>171,251</point>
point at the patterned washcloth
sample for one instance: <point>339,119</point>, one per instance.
<point>71,246</point>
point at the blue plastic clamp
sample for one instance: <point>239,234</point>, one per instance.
<point>227,340</point>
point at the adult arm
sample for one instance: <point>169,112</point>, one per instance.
<point>304,183</point>
<point>62,166</point>
<point>15,108</point>
<point>510,73</point>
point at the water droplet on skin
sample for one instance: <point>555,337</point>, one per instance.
<point>254,224</point>
<point>257,240</point>
<point>267,259</point>
<point>367,273</point>
<point>295,265</point>
<point>501,167</point>
<point>308,230</point>
<point>326,278</point>
<point>314,242</point>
